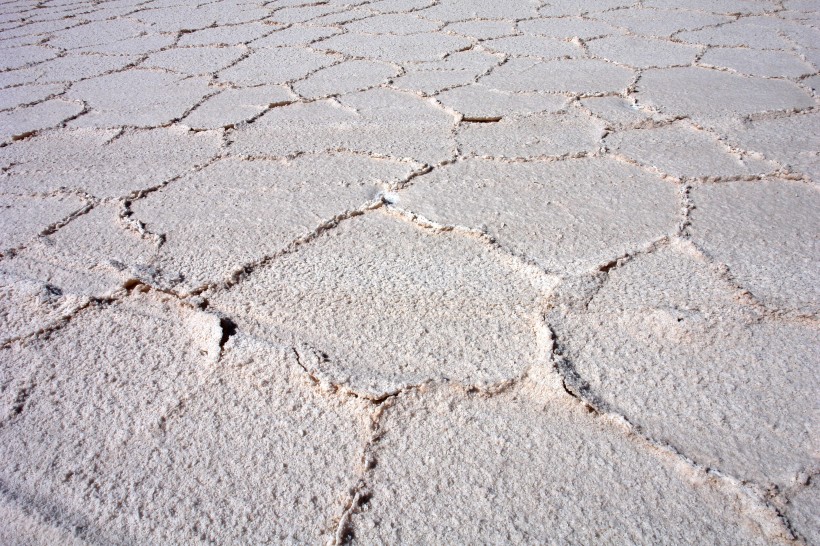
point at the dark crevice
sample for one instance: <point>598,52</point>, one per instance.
<point>607,267</point>
<point>23,136</point>
<point>229,329</point>
<point>488,119</point>
<point>20,401</point>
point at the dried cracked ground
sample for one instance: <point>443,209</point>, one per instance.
<point>409,271</point>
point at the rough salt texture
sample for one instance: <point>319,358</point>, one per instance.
<point>22,122</point>
<point>772,259</point>
<point>409,271</point>
<point>234,106</point>
<point>567,216</point>
<point>642,52</point>
<point>28,307</point>
<point>552,135</point>
<point>153,440</point>
<point>105,163</point>
<point>512,462</point>
<point>22,218</point>
<point>792,141</point>
<point>382,304</point>
<point>577,76</point>
<point>710,96</point>
<point>138,98</point>
<point>93,255</point>
<point>373,122</point>
<point>271,204</point>
<point>481,103</point>
<point>682,151</point>
<point>665,343</point>
<point>803,505</point>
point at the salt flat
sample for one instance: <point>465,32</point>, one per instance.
<point>409,272</point>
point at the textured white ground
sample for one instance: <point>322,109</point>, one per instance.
<point>409,272</point>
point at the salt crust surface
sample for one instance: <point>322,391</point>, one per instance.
<point>409,271</point>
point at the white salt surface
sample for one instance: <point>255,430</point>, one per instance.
<point>409,272</point>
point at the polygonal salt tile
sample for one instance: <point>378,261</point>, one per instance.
<point>18,57</point>
<point>729,7</point>
<point>72,403</point>
<point>810,55</point>
<point>340,18</point>
<point>27,94</point>
<point>530,465</point>
<point>793,141</point>
<point>295,35</point>
<point>398,23</point>
<point>137,98</point>
<point>682,151</point>
<point>802,508</point>
<point>379,121</point>
<point>534,46</point>
<point>233,35</point>
<point>430,82</point>
<point>398,49</point>
<point>233,106</point>
<point>22,122</point>
<point>616,111</point>
<point>812,83</point>
<point>384,304</point>
<point>757,63</point>
<point>136,358</point>
<point>31,32</point>
<point>567,28</point>
<point>395,6</point>
<point>568,216</point>
<point>12,78</point>
<point>472,60</point>
<point>481,103</point>
<point>150,365</point>
<point>582,76</point>
<point>766,233</point>
<point>642,52</point>
<point>539,135</point>
<point>665,343</point>
<point>753,32</point>
<point>97,33</point>
<point>30,306</point>
<point>660,22</point>
<point>246,210</point>
<point>300,3</point>
<point>275,66</point>
<point>194,60</point>
<point>84,160</point>
<point>137,45</point>
<point>306,443</point>
<point>482,30</point>
<point>301,14</point>
<point>94,255</point>
<point>710,95</point>
<point>456,10</point>
<point>73,68</point>
<point>345,77</point>
<point>109,10</point>
<point>21,41</point>
<point>562,8</point>
<point>803,34</point>
<point>803,17</point>
<point>185,18</point>
<point>22,217</point>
